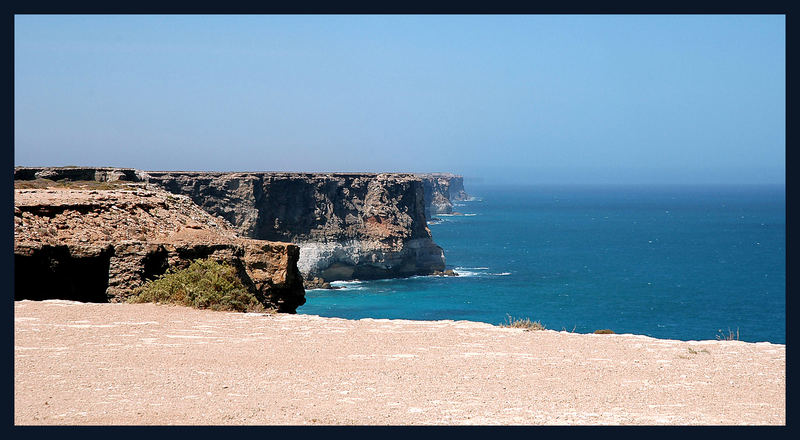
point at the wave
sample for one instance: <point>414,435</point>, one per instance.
<point>467,273</point>
<point>345,288</point>
<point>455,215</point>
<point>470,271</point>
<point>477,272</point>
<point>346,283</point>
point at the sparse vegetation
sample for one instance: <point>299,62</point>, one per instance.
<point>604,332</point>
<point>523,323</point>
<point>205,284</point>
<point>70,184</point>
<point>730,336</point>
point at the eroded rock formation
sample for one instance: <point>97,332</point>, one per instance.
<point>100,174</point>
<point>99,245</point>
<point>441,189</point>
<point>348,225</point>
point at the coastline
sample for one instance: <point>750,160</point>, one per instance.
<point>348,225</point>
<point>88,363</point>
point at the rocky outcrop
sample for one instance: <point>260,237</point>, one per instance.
<point>440,190</point>
<point>98,246</point>
<point>457,192</point>
<point>348,225</point>
<point>99,174</point>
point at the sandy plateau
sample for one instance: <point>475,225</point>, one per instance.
<point>142,364</point>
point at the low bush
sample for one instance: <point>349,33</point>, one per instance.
<point>71,184</point>
<point>205,284</point>
<point>730,336</point>
<point>523,323</point>
<point>604,332</point>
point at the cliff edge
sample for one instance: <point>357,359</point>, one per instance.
<point>440,191</point>
<point>348,225</point>
<point>98,245</point>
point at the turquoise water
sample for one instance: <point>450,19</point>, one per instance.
<point>675,262</point>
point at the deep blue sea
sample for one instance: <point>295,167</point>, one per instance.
<point>675,262</point>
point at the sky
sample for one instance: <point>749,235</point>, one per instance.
<point>526,99</point>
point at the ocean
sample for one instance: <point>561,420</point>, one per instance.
<point>671,262</point>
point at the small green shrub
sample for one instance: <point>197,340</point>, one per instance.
<point>205,284</point>
<point>525,323</point>
<point>604,331</point>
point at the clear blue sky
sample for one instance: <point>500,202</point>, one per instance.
<point>523,99</point>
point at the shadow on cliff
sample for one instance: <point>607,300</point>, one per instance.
<point>52,273</point>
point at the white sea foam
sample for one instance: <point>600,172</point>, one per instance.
<point>454,215</point>
<point>346,283</point>
<point>470,271</point>
<point>477,272</point>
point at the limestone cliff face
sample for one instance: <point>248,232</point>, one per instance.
<point>348,226</point>
<point>441,189</point>
<point>99,245</point>
<point>457,192</point>
<point>99,174</point>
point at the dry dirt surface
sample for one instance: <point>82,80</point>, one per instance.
<point>146,364</point>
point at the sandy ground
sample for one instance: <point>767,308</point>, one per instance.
<point>85,364</point>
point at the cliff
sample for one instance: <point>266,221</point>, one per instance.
<point>348,225</point>
<point>98,174</point>
<point>98,245</point>
<point>440,190</point>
